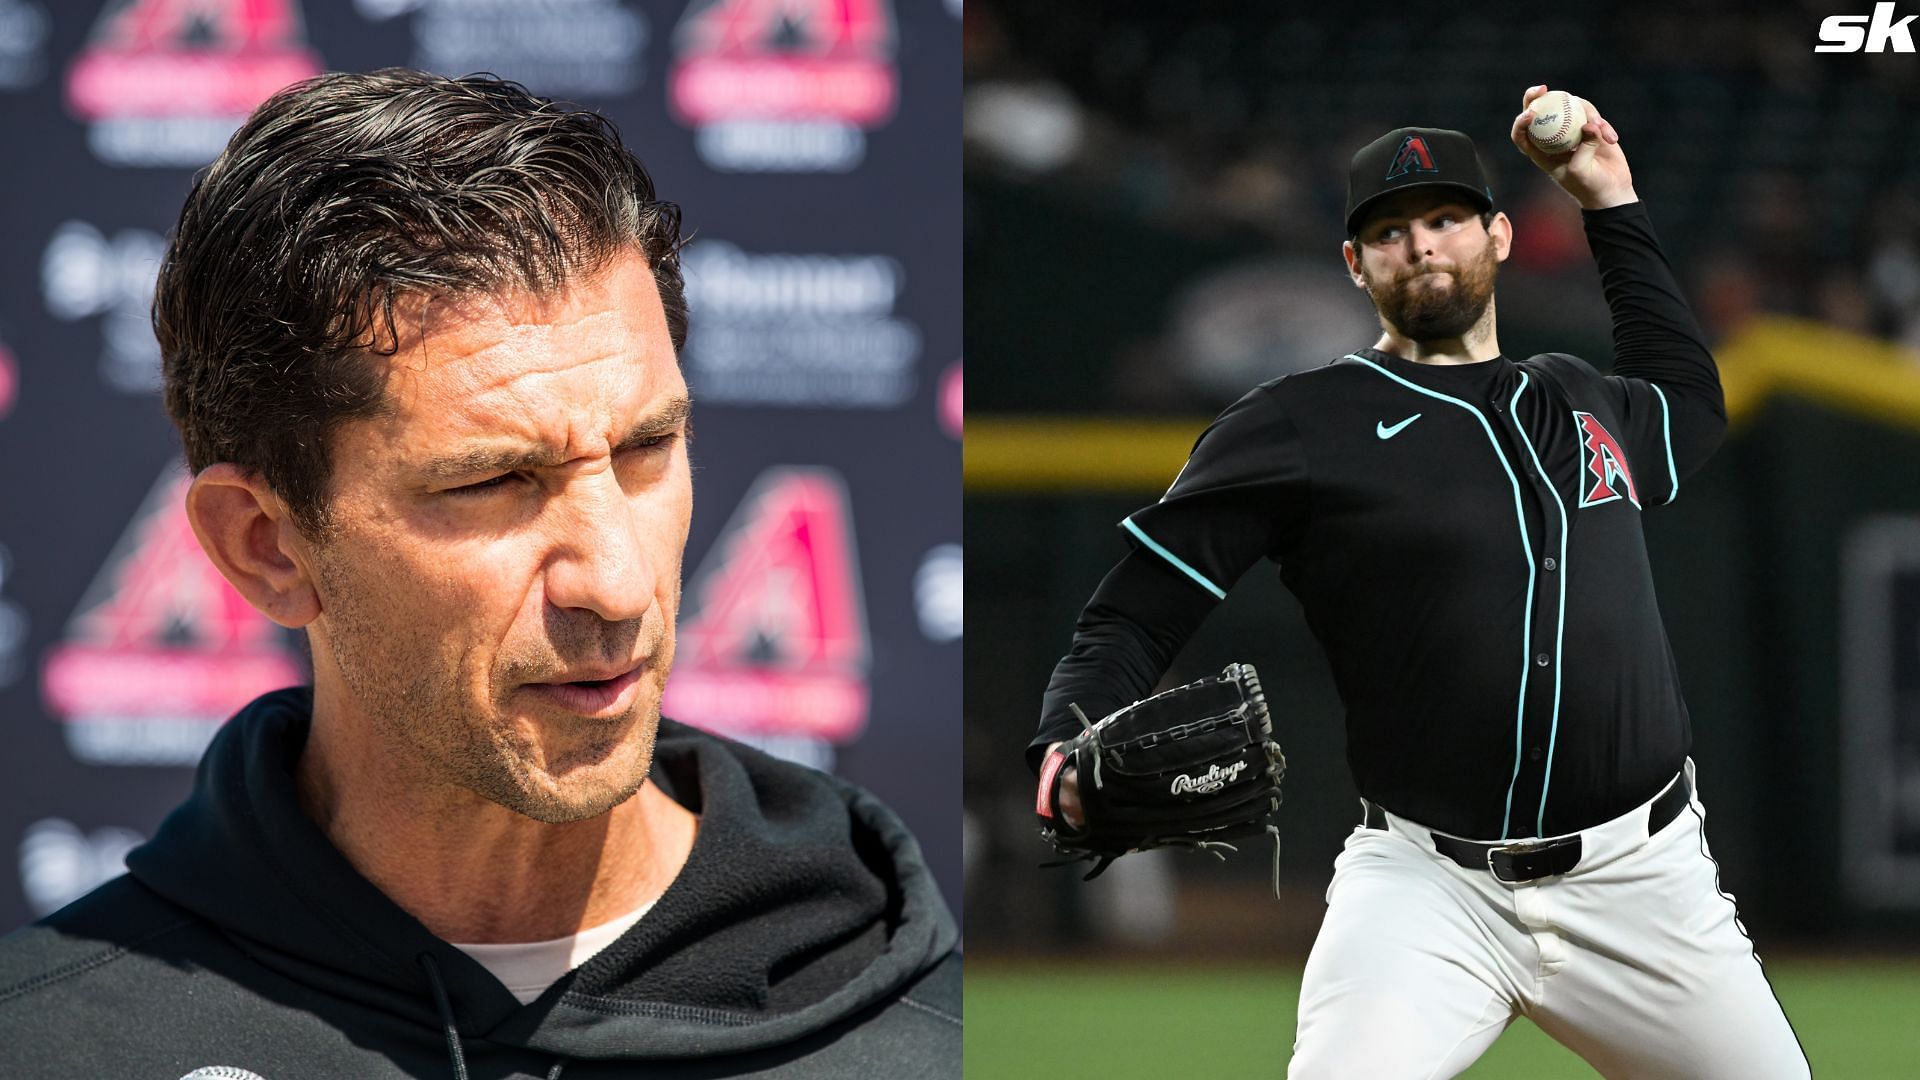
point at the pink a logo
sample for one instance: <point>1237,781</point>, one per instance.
<point>953,416</point>
<point>784,85</point>
<point>1604,474</point>
<point>164,82</point>
<point>775,641</point>
<point>790,59</point>
<point>162,650</point>
<point>189,57</point>
<point>1412,157</point>
<point>8,381</point>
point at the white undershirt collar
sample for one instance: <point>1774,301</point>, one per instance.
<point>528,968</point>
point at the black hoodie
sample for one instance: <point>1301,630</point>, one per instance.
<point>803,938</point>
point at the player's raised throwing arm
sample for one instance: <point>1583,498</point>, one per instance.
<point>1664,379</point>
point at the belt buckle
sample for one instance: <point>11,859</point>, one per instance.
<point>1524,848</point>
<point>1521,847</point>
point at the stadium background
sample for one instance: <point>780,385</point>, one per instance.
<point>1153,197</point>
<point>811,145</point>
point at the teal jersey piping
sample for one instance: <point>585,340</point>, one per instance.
<point>1178,563</point>
<point>1560,630</point>
<point>1666,430</point>
<point>1526,550</point>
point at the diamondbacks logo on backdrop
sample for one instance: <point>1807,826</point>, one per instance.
<point>784,85</point>
<point>161,650</point>
<point>1605,476</point>
<point>166,82</point>
<point>774,644</point>
<point>1412,157</point>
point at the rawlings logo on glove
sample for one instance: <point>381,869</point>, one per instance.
<point>1191,767</point>
<point>1215,779</point>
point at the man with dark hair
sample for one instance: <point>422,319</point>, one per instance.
<point>420,338</point>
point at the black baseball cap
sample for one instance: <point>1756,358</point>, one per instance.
<point>1412,157</point>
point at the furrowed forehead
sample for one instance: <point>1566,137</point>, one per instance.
<point>533,379</point>
<point>471,344</point>
<point>510,455</point>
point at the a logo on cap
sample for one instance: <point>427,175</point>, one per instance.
<point>1413,156</point>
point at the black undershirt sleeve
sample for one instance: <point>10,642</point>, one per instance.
<point>1139,618</point>
<point>1242,496</point>
<point>1657,343</point>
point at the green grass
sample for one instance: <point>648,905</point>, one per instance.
<point>1858,1021</point>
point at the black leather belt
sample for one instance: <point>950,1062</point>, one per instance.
<point>1531,860</point>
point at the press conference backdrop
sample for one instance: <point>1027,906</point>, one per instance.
<point>813,146</point>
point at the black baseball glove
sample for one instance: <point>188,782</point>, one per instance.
<point>1190,767</point>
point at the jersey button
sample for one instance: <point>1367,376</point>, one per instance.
<point>1550,565</point>
<point>1541,660</point>
<point>1534,753</point>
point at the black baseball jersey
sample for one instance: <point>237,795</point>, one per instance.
<point>1466,543</point>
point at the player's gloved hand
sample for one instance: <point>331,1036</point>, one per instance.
<point>1191,767</point>
<point>1595,172</point>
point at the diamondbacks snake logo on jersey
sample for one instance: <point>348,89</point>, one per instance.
<point>1605,465</point>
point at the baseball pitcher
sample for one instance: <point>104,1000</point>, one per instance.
<point>1463,531</point>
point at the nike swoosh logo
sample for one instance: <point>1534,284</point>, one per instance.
<point>1385,432</point>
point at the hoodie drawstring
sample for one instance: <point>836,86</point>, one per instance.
<point>446,1016</point>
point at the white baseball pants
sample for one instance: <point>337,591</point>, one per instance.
<point>1635,961</point>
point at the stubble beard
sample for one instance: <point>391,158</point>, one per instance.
<point>1423,311</point>
<point>412,693</point>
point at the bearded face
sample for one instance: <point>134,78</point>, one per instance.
<point>1434,300</point>
<point>1428,260</point>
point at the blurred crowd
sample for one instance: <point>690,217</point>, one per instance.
<point>1216,135</point>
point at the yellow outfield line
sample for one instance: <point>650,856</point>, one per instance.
<point>1836,368</point>
<point>1844,371</point>
<point>1016,453</point>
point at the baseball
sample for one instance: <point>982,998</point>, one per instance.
<point>1557,119</point>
